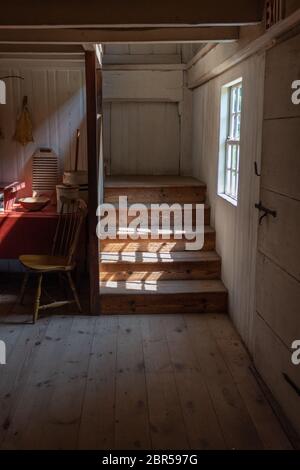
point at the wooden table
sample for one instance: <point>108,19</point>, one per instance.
<point>23,232</point>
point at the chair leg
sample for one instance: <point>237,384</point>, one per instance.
<point>23,288</point>
<point>73,288</point>
<point>37,298</point>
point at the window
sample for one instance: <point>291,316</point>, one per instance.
<point>230,135</point>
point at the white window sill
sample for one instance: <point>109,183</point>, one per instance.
<point>229,199</point>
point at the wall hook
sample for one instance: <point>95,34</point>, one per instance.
<point>256,169</point>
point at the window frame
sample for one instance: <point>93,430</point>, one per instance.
<point>230,141</point>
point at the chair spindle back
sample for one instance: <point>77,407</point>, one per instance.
<point>70,220</point>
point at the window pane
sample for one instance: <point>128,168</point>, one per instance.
<point>234,157</point>
<point>228,183</point>
<point>230,163</point>
<point>237,186</point>
<point>238,127</point>
<point>240,100</point>
<point>229,157</point>
<point>233,185</point>
<point>233,100</point>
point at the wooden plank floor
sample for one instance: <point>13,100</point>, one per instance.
<point>131,382</point>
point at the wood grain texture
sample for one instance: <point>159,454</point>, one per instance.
<point>191,212</point>
<point>97,428</point>
<point>198,409</point>
<point>156,36</point>
<point>143,85</point>
<point>273,359</point>
<point>168,427</point>
<point>98,13</point>
<point>281,141</point>
<point>152,182</point>
<point>56,99</point>
<point>236,227</point>
<point>114,382</point>
<point>93,172</point>
<point>238,363</point>
<point>278,299</point>
<point>154,246</point>
<point>238,429</point>
<point>188,195</point>
<point>282,68</point>
<point>279,238</point>
<point>145,138</point>
<point>168,297</point>
<point>174,266</point>
<point>278,272</point>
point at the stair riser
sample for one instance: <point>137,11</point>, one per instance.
<point>180,195</point>
<point>160,272</point>
<point>152,246</point>
<point>206,218</point>
<point>163,304</point>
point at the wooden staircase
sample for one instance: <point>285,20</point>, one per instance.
<point>157,275</point>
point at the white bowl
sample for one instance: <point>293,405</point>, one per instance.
<point>34,203</point>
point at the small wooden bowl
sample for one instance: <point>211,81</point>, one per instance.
<point>34,203</point>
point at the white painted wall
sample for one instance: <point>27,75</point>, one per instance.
<point>147,121</point>
<point>142,54</point>
<point>143,85</point>
<point>236,227</point>
<point>145,138</point>
<point>56,99</point>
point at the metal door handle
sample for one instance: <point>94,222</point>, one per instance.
<point>265,211</point>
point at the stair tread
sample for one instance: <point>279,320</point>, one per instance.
<point>148,205</point>
<point>160,231</point>
<point>161,287</point>
<point>151,182</point>
<point>158,258</point>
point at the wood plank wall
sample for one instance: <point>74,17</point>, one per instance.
<point>136,103</point>
<point>150,99</point>
<point>142,53</point>
<point>277,323</point>
<point>93,106</point>
<point>236,226</point>
<point>56,99</point>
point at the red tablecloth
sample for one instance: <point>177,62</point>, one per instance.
<point>23,232</point>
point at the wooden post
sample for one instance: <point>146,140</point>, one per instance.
<point>92,140</point>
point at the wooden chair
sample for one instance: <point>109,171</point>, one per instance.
<point>62,258</point>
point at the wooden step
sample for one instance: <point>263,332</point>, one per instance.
<point>160,266</point>
<point>154,189</point>
<point>193,210</point>
<point>162,297</point>
<point>156,244</point>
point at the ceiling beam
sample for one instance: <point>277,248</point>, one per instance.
<point>130,35</point>
<point>73,49</point>
<point>95,13</point>
<point>97,48</point>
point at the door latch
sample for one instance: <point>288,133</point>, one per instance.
<point>265,211</point>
